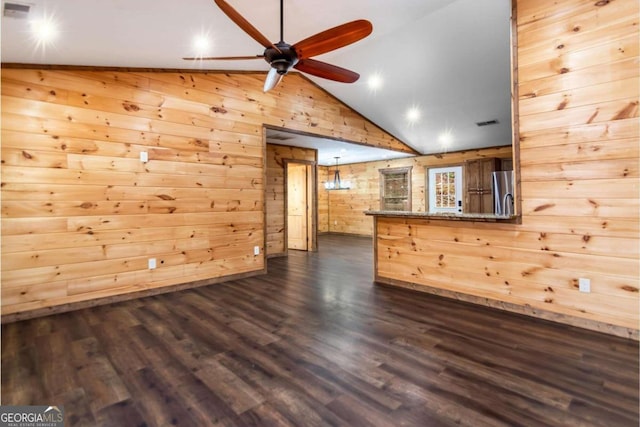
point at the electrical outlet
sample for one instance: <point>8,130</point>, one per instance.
<point>144,156</point>
<point>584,285</point>
<point>335,222</point>
<point>256,250</point>
<point>152,263</point>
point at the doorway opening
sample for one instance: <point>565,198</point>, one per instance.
<point>285,147</point>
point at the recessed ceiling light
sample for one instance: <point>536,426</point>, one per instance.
<point>201,44</point>
<point>413,114</point>
<point>445,138</point>
<point>375,82</point>
<point>44,30</point>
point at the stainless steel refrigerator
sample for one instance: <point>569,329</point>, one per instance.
<point>503,193</point>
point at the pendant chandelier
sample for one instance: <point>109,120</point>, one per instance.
<point>337,183</point>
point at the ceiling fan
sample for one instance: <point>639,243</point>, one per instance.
<point>282,56</point>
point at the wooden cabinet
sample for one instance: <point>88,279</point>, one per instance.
<point>479,196</point>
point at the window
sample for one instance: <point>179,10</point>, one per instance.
<point>395,189</point>
<point>445,189</point>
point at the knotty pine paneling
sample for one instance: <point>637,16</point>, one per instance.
<point>579,132</point>
<point>323,200</point>
<point>276,156</point>
<point>346,207</point>
<point>81,215</point>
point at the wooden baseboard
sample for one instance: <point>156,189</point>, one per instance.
<point>565,319</point>
<point>278,255</point>
<point>63,308</point>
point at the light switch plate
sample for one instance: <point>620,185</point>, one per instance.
<point>256,250</point>
<point>144,156</point>
<point>152,263</point>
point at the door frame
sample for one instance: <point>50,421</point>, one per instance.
<point>312,174</point>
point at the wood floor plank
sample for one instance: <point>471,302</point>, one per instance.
<point>599,414</point>
<point>344,381</point>
<point>229,387</point>
<point>265,415</point>
<point>351,360</point>
<point>160,406</point>
<point>199,396</point>
<point>105,387</point>
<point>123,413</point>
<point>58,371</point>
<point>77,409</point>
<point>23,382</point>
<point>455,408</point>
<point>356,413</point>
<point>315,343</point>
<point>522,410</point>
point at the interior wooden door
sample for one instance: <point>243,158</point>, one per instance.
<point>297,215</point>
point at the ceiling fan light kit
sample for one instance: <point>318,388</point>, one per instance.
<point>282,56</point>
<point>272,80</point>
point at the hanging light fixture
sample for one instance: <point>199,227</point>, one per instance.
<point>337,183</point>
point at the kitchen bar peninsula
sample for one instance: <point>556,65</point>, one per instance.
<point>442,216</point>
<point>418,249</point>
<point>478,258</point>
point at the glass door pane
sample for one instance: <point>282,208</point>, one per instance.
<point>445,189</point>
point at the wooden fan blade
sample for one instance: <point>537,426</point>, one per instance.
<point>326,71</point>
<point>244,24</point>
<point>333,38</point>
<point>222,58</point>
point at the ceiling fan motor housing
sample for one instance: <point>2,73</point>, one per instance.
<point>282,61</point>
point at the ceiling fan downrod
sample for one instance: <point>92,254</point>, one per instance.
<point>281,21</point>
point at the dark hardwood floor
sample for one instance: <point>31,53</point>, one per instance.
<point>315,343</point>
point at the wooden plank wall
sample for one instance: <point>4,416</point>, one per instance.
<point>81,214</point>
<point>323,200</point>
<point>276,154</point>
<point>578,85</point>
<point>346,207</point>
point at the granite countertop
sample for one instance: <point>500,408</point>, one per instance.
<point>443,216</point>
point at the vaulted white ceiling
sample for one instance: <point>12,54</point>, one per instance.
<point>449,59</point>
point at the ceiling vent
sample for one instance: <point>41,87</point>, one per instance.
<point>487,123</point>
<point>16,10</point>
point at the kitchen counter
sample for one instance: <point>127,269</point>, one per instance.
<point>444,216</point>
